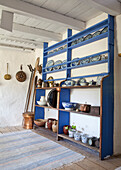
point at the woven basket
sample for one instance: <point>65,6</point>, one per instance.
<point>40,122</point>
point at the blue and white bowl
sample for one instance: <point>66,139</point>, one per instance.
<point>70,105</point>
<point>70,83</point>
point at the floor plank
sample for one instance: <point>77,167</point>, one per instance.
<point>71,167</point>
<point>88,165</point>
<point>105,164</point>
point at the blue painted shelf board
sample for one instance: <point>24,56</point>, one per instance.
<point>99,37</point>
<point>85,76</point>
<point>56,53</point>
<point>59,44</point>
<point>89,64</point>
<point>89,30</point>
<point>93,55</point>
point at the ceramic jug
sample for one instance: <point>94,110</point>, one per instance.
<point>54,126</point>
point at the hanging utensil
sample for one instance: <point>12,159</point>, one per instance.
<point>21,75</point>
<point>7,76</point>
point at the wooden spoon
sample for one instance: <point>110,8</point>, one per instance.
<point>7,76</point>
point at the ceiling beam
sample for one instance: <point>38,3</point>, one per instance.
<point>7,16</point>
<point>31,31</point>
<point>112,7</point>
<point>20,42</point>
<point>24,8</point>
<point>36,32</point>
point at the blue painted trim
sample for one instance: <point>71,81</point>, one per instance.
<point>55,53</point>
<point>54,65</point>
<point>89,64</point>
<point>85,76</point>
<point>103,52</point>
<point>39,112</point>
<point>108,97</point>
<point>89,30</point>
<point>59,44</point>
<point>64,117</point>
<point>53,71</point>
<point>99,37</point>
<point>78,66</point>
<point>44,60</point>
<point>69,53</point>
<point>78,35</point>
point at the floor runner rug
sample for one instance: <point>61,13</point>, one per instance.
<point>26,150</point>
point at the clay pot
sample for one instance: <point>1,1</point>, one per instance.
<point>85,108</point>
<point>65,129</point>
<point>54,126</point>
<point>49,123</point>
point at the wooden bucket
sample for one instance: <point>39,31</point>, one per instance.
<point>28,120</point>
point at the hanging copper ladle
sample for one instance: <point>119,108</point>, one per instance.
<point>7,76</point>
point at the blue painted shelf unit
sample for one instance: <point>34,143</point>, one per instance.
<point>106,87</point>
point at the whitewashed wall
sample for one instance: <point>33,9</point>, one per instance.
<point>12,92</point>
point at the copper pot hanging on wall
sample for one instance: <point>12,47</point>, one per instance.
<point>21,75</point>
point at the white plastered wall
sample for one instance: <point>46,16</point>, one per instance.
<point>12,92</point>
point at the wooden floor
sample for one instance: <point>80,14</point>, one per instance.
<point>91,161</point>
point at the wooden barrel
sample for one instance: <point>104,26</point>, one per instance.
<point>28,120</point>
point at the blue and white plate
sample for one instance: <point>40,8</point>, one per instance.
<point>84,61</point>
<point>49,63</point>
<point>88,37</point>
<point>57,67</point>
<point>65,46</point>
<point>74,42</point>
<point>64,65</point>
<point>70,83</point>
<point>96,58</point>
<point>96,33</point>
<point>104,30</point>
<point>82,80</point>
<point>80,39</point>
<point>104,56</point>
<point>55,50</point>
<point>75,63</point>
<point>60,48</point>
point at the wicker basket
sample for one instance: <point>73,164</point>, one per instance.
<point>40,122</point>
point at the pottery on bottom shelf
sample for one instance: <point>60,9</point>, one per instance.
<point>66,129</point>
<point>77,136</point>
<point>84,138</point>
<point>54,126</point>
<point>71,133</point>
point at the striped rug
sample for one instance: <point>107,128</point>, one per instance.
<point>26,150</point>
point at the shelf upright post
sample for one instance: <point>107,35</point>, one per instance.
<point>45,45</point>
<point>39,112</point>
<point>69,51</point>
<point>107,93</point>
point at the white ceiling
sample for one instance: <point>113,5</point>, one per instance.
<point>37,21</point>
